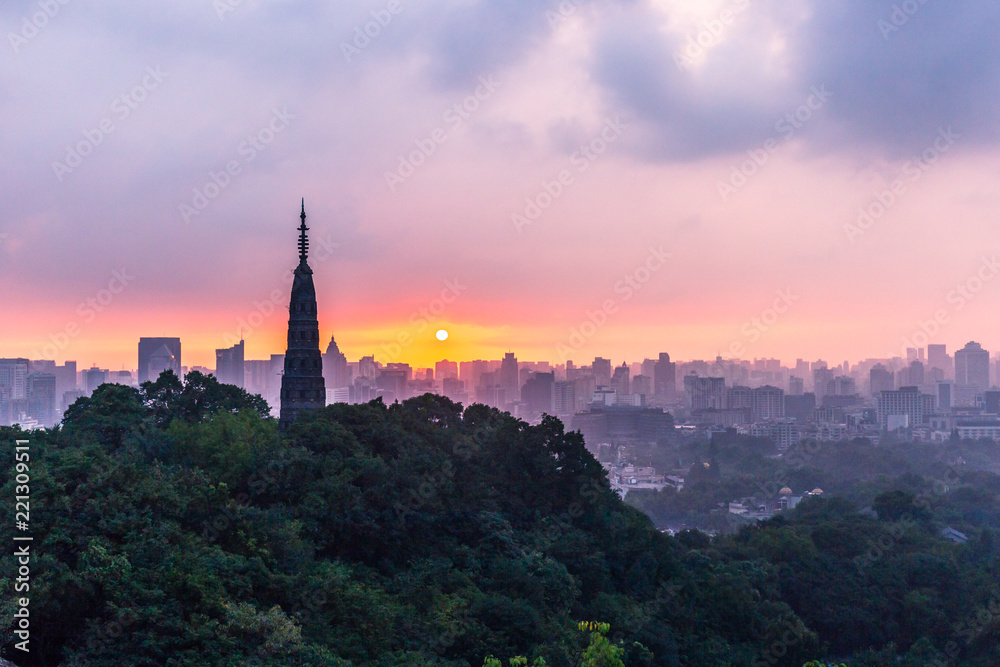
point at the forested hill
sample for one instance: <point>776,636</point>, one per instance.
<point>174,526</point>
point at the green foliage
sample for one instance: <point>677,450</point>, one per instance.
<point>174,526</point>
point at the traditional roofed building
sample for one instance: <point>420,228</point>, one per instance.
<point>302,385</point>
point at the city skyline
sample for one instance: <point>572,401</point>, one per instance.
<point>535,160</point>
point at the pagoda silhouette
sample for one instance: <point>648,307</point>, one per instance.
<point>302,385</point>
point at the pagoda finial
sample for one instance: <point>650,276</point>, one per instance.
<point>303,239</point>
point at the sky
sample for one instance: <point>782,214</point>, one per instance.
<point>564,180</point>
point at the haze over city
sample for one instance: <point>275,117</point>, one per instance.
<point>538,155</point>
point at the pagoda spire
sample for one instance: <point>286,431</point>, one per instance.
<point>303,239</point>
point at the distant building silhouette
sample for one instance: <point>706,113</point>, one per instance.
<point>302,386</point>
<point>157,355</point>
<point>336,374</point>
<point>972,367</point>
<point>665,377</point>
<point>509,378</point>
<point>229,365</point>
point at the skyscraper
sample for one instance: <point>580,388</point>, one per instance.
<point>602,371</point>
<point>972,367</point>
<point>302,386</point>
<point>937,357</point>
<point>229,367</point>
<point>509,378</point>
<point>335,371</point>
<point>665,377</point>
<point>157,355</point>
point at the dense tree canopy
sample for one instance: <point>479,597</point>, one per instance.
<point>174,526</point>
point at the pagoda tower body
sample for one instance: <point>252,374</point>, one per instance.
<point>302,386</point>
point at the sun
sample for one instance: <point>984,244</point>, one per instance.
<point>442,335</point>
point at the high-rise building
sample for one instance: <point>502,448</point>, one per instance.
<point>65,381</point>
<point>937,357</point>
<point>455,390</point>
<point>509,378</point>
<point>229,365</point>
<point>796,386</point>
<point>905,408</point>
<point>302,386</point>
<point>665,378</point>
<point>446,369</point>
<point>537,393</point>
<point>821,379</point>
<point>564,399</point>
<point>392,383</point>
<point>916,373</point>
<point>705,393</point>
<point>157,355</point>
<point>471,371</point>
<point>368,368</point>
<point>620,381</point>
<point>14,376</point>
<point>41,390</point>
<point>642,385</point>
<point>336,374</point>
<point>972,367</point>
<point>944,394</point>
<point>768,403</point>
<point>881,379</point>
<point>602,371</point>
<point>95,377</point>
